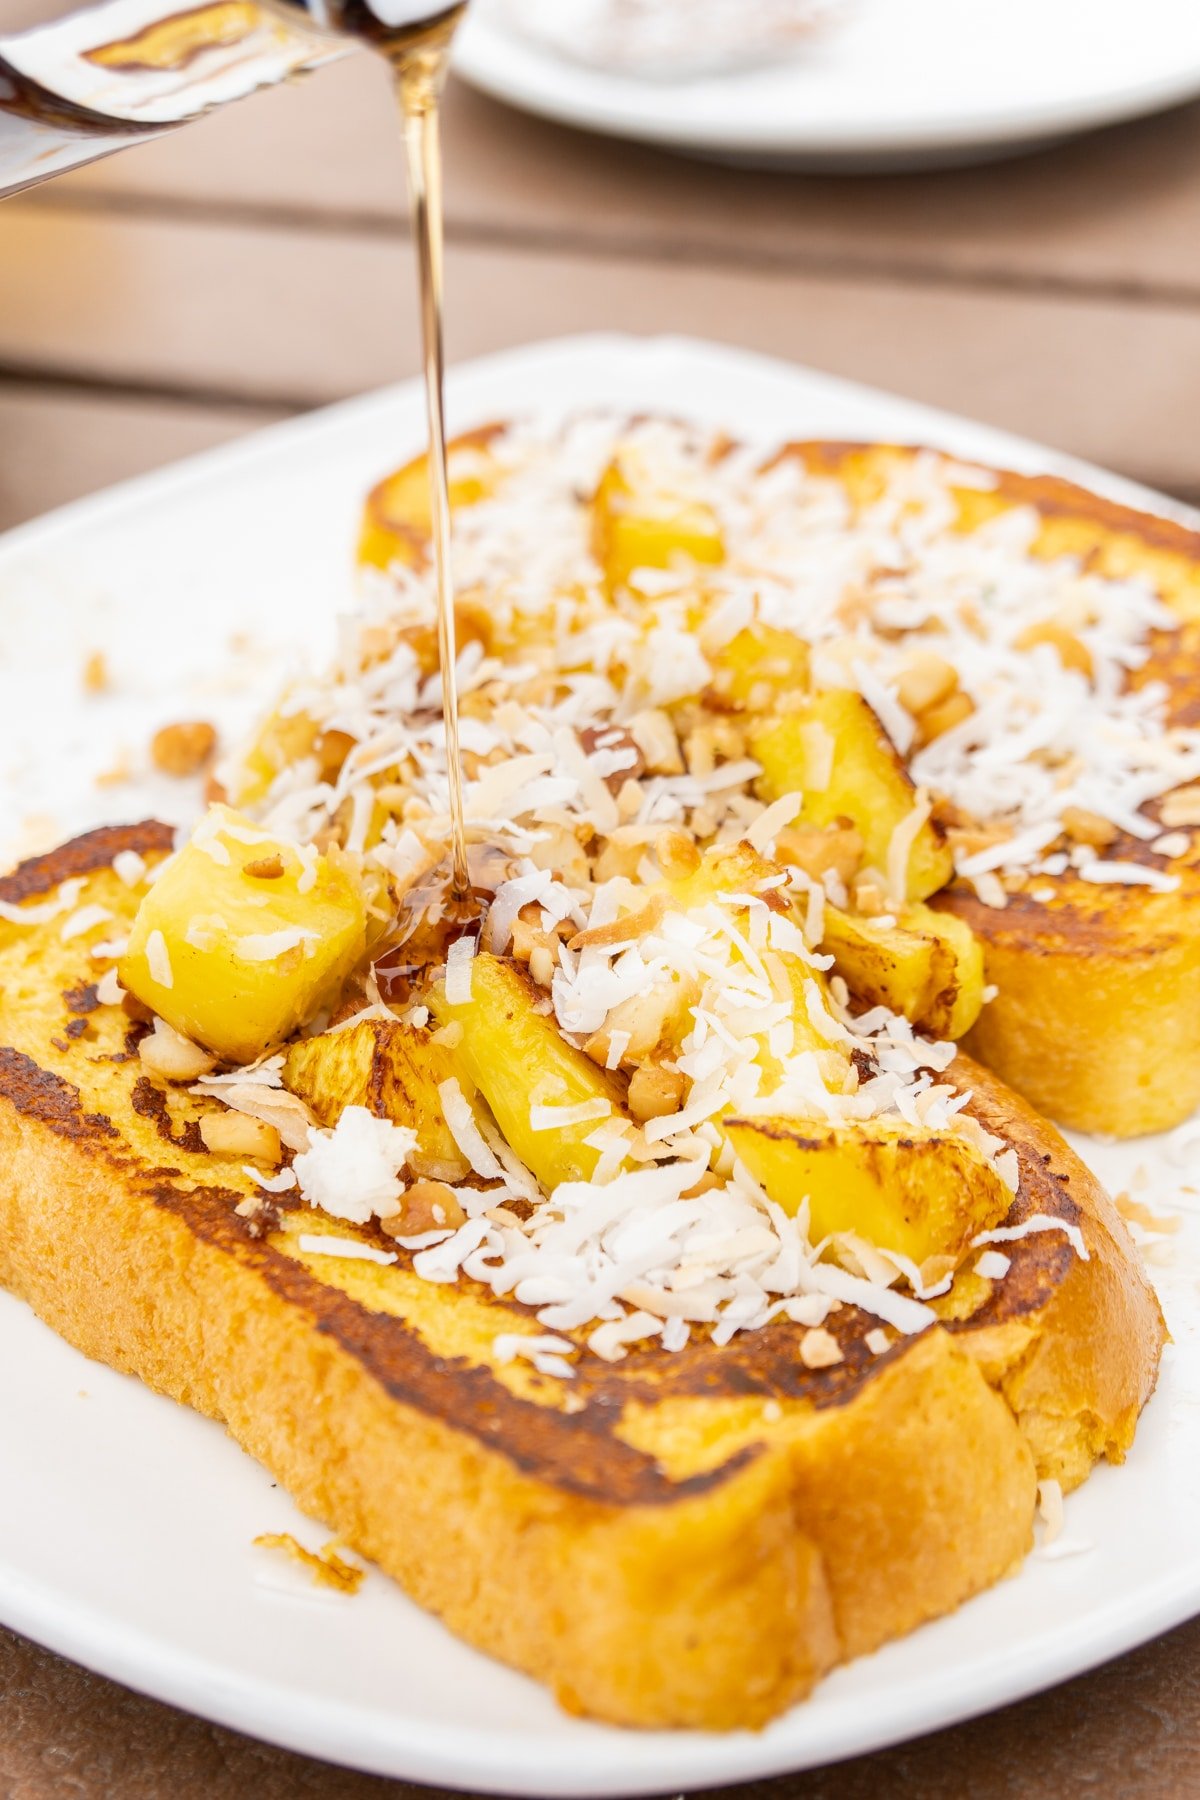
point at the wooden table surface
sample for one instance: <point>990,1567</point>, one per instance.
<point>254,265</point>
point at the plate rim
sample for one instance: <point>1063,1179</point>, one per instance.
<point>348,1737</point>
<point>500,64</point>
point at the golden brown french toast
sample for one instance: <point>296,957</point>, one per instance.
<point>675,1538</point>
<point>871,624</point>
<point>1096,1018</point>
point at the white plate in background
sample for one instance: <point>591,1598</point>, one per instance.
<point>125,1521</point>
<point>891,84</point>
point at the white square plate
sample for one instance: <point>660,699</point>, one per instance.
<point>125,1521</point>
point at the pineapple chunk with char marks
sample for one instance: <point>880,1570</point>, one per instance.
<point>928,965</point>
<point>392,1070</point>
<point>922,1195</point>
<point>397,519</point>
<point>636,525</point>
<point>516,1057</point>
<point>241,940</point>
<point>848,769</point>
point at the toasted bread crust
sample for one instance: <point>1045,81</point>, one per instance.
<point>701,1535</point>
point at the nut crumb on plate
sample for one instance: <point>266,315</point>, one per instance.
<point>184,748</point>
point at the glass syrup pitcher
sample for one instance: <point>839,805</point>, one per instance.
<point>77,85</point>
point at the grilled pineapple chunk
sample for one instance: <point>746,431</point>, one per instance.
<point>397,518</point>
<point>392,1070</point>
<point>928,965</point>
<point>241,940</point>
<point>636,526</point>
<point>925,1197</point>
<point>834,751</point>
<point>516,1057</point>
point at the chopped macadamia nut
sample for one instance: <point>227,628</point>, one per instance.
<point>237,1134</point>
<point>869,898</point>
<point>924,681</point>
<point>168,1053</point>
<point>1172,843</point>
<point>542,964</point>
<point>1182,807</point>
<point>654,1092</point>
<point>820,849</point>
<point>935,721</point>
<point>655,737</point>
<point>95,678</point>
<point>183,749</point>
<point>265,868</point>
<point>618,859</point>
<point>1073,653</point>
<point>819,1348</point>
<point>425,1206</point>
<point>1088,827</point>
<point>966,840</point>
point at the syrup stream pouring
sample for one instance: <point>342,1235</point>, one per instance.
<point>416,41</point>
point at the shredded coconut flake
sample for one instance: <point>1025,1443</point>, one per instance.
<point>41,914</point>
<point>466,1134</point>
<point>84,920</point>
<point>130,867</point>
<point>109,991</point>
<point>349,1248</point>
<point>1128,874</point>
<point>1008,1234</point>
<point>353,1171</point>
<point>158,960</point>
<point>268,946</point>
<point>459,961</point>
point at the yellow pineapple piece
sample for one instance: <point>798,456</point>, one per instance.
<point>519,1061</point>
<point>397,519</point>
<point>635,526</point>
<point>283,740</point>
<point>910,1191</point>
<point>760,668</point>
<point>928,965</point>
<point>391,1069</point>
<point>833,750</point>
<point>242,939</point>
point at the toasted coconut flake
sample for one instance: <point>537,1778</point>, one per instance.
<point>350,1249</point>
<point>459,960</point>
<point>466,1133</point>
<point>353,1171</point>
<point>1009,1234</point>
<point>168,1053</point>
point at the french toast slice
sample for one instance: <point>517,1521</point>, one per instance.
<point>1097,1015</point>
<point>687,1539</point>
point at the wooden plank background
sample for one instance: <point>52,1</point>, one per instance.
<point>257,264</point>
